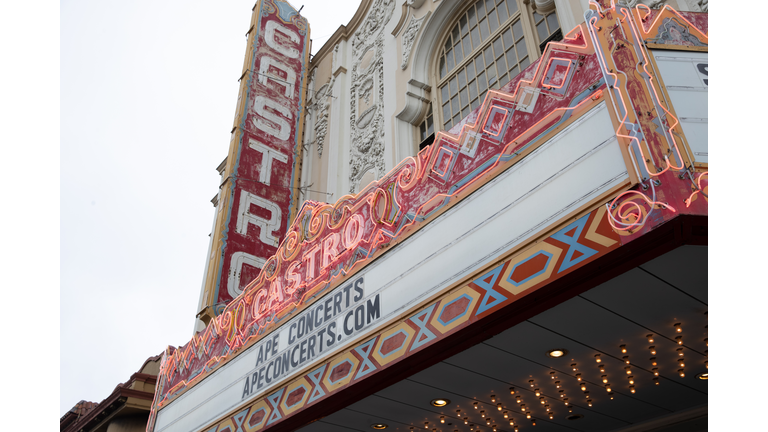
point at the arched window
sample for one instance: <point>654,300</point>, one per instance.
<point>484,49</point>
<point>547,28</point>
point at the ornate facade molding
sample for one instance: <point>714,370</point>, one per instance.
<point>544,6</point>
<point>653,4</point>
<point>367,95</point>
<point>322,105</point>
<point>409,36</point>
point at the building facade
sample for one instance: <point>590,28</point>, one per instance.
<point>126,409</point>
<point>500,223</point>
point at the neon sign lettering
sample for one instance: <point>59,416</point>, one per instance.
<point>258,198</point>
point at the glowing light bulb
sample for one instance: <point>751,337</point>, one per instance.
<point>488,422</point>
<point>605,378</point>
<point>538,392</point>
<point>650,338</point>
<point>631,379</point>
<point>466,420</point>
<point>681,363</point>
<point>474,404</point>
<point>623,349</point>
<point>530,382</point>
<point>547,407</point>
<point>511,390</point>
<point>442,419</point>
<point>632,389</point>
<point>517,399</point>
<point>551,416</point>
<point>679,340</point>
<point>557,384</point>
<point>552,374</point>
<point>533,422</point>
<point>608,388</point>
<point>601,368</point>
<point>426,425</point>
<point>528,415</point>
<point>493,398</point>
<point>656,380</point>
<point>583,386</point>
<point>653,350</point>
<point>626,359</point>
<point>678,328</point>
<point>597,358</point>
<point>628,370</point>
<point>680,352</point>
<point>653,361</point>
<point>541,399</point>
<point>655,371</point>
<point>506,414</point>
<point>494,428</point>
<point>682,373</point>
<point>498,406</point>
<point>706,341</point>
<point>578,376</point>
<point>522,407</point>
<point>573,365</point>
<point>589,402</point>
<point>482,413</point>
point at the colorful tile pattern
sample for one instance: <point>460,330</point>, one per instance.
<point>586,238</point>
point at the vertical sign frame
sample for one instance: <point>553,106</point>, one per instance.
<point>259,194</point>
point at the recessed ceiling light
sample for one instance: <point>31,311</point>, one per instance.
<point>440,402</point>
<point>379,426</point>
<point>703,376</point>
<point>555,353</point>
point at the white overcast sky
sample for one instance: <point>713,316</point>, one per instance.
<point>148,92</point>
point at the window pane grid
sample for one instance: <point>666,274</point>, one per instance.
<point>485,49</point>
<point>426,128</point>
<point>545,24</point>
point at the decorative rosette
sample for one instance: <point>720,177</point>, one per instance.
<point>268,8</point>
<point>301,23</point>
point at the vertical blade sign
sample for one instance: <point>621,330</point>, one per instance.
<point>258,198</point>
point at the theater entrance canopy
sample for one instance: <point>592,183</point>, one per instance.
<point>544,262</point>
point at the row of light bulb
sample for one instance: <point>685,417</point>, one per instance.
<point>583,386</point>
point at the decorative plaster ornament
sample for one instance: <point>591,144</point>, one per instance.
<point>409,37</point>
<point>367,94</point>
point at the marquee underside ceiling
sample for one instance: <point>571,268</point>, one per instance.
<point>646,300</point>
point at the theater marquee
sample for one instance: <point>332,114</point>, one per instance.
<point>510,202</point>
